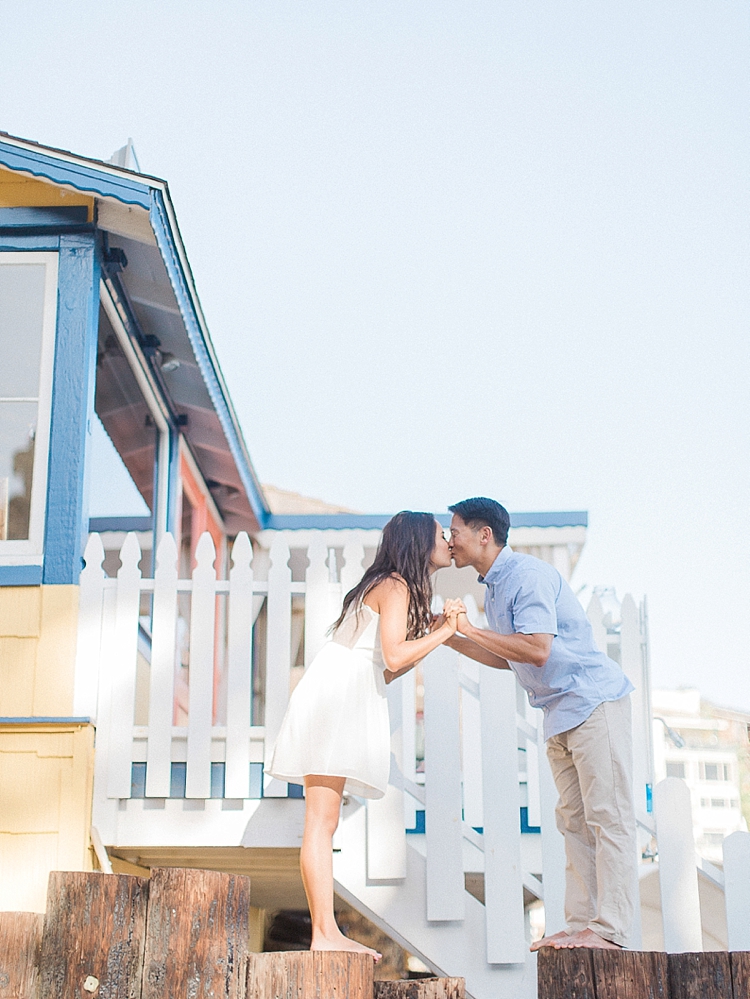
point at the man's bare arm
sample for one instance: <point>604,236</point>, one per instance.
<point>532,649</point>
<point>473,651</point>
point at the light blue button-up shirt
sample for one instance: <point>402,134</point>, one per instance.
<point>529,597</point>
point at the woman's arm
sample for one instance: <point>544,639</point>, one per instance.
<point>391,601</point>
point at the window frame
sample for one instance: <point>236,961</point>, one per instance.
<point>30,551</point>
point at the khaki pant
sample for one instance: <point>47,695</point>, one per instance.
<point>593,770</point>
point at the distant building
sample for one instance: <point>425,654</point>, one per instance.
<point>707,746</point>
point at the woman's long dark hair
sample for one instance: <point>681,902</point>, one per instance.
<point>405,549</point>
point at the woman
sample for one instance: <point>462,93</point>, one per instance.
<point>336,734</point>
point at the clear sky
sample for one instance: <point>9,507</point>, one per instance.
<point>453,248</point>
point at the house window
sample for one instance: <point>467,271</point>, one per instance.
<point>676,770</point>
<point>715,771</point>
<point>28,301</point>
<point>718,803</point>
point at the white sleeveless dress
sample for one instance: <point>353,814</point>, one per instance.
<point>337,723</point>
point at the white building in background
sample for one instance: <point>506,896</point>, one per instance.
<point>693,741</point>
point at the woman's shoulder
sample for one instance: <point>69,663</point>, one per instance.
<point>391,587</point>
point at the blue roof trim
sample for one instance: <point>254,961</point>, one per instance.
<point>20,575</point>
<point>97,525</point>
<point>326,521</point>
<point>87,179</point>
<point>375,522</point>
<point>206,362</point>
<point>568,518</point>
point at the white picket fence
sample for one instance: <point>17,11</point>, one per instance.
<point>483,750</point>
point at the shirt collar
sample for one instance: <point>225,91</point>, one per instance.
<point>497,566</point>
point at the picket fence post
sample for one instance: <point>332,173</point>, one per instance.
<point>88,650</point>
<point>200,695</point>
<point>278,653</point>
<point>736,849</point>
<point>443,825</point>
<point>122,658</point>
<point>240,669</point>
<point>678,876</point>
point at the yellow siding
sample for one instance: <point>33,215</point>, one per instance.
<point>38,629</point>
<point>46,770</point>
<point>46,780</point>
<point>17,191</point>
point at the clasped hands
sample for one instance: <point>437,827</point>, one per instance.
<point>452,611</point>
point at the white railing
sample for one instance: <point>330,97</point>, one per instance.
<point>188,679</point>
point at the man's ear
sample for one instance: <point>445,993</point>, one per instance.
<point>485,535</point>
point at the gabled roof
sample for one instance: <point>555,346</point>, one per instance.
<point>136,212</point>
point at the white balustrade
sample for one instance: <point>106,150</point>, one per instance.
<point>474,728</point>
<point>122,664</point>
<point>278,653</point>
<point>443,823</point>
<point>553,844</point>
<point>678,877</point>
<point>163,656</point>
<point>240,670</point>
<point>503,875</point>
<point>737,889</point>
<point>386,838</point>
<point>318,615</point>
<point>201,699</point>
<point>88,653</point>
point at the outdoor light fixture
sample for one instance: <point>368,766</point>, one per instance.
<point>169,363</point>
<point>674,737</point>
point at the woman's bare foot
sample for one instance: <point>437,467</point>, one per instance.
<point>588,938</point>
<point>550,941</point>
<point>340,942</point>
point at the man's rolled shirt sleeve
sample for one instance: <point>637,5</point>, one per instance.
<point>533,607</point>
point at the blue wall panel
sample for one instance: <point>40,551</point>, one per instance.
<point>72,404</point>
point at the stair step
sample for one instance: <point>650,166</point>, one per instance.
<point>610,974</point>
<point>94,933</point>
<point>421,988</point>
<point>304,974</point>
<point>20,942</point>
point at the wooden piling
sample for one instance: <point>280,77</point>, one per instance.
<point>197,935</point>
<point>421,988</point>
<point>739,962</point>
<point>20,945</point>
<point>629,974</point>
<point>565,974</point>
<point>700,975</point>
<point>92,944</point>
<point>310,975</point>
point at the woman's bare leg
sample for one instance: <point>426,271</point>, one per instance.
<point>323,804</point>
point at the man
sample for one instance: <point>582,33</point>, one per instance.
<point>539,630</point>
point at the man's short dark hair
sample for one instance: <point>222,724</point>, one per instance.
<point>483,512</point>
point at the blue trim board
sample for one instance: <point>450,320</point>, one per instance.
<point>18,244</point>
<point>166,242</point>
<point>375,522</point>
<point>66,527</point>
<point>89,179</point>
<point>56,216</point>
<point>20,575</point>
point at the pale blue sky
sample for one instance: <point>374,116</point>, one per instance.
<point>449,248</point>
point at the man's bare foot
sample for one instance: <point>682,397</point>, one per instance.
<point>340,942</point>
<point>550,941</point>
<point>587,938</point>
